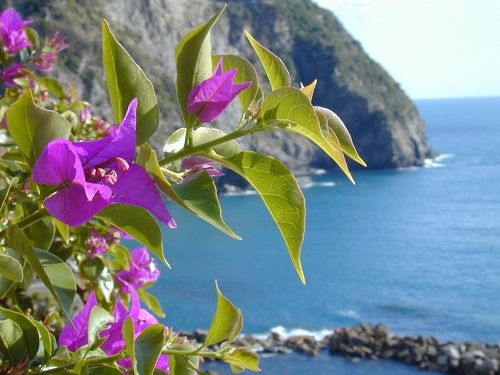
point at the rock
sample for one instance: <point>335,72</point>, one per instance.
<point>200,334</point>
<point>383,121</point>
<point>305,344</point>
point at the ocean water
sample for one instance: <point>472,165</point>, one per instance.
<point>417,249</point>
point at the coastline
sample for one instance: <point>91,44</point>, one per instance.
<point>374,342</point>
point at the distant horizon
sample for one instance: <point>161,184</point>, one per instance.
<point>433,48</point>
<point>459,97</point>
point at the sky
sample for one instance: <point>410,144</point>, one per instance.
<point>433,48</point>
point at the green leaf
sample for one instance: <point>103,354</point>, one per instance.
<point>204,204</point>
<point>148,347</point>
<point>179,365</point>
<point>137,222</point>
<point>126,81</point>
<point>200,196</point>
<point>53,85</point>
<point>309,89</point>
<point>10,268</point>
<point>245,73</point>
<point>227,321</point>
<point>242,358</point>
<point>274,67</point>
<point>41,233</point>
<point>98,321</point>
<point>12,342</point>
<point>281,194</point>
<point>152,303</point>
<point>33,127</point>
<point>194,60</point>
<point>30,332</point>
<point>45,341</point>
<point>33,37</point>
<point>63,229</point>
<point>54,273</point>
<point>201,136</point>
<point>344,138</point>
<point>128,332</point>
<point>292,107</point>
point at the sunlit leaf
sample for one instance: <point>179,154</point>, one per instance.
<point>242,358</point>
<point>137,222</point>
<point>194,60</point>
<point>340,130</point>
<point>148,348</point>
<point>281,194</point>
<point>98,321</point>
<point>292,107</point>
<point>274,67</point>
<point>126,81</point>
<point>245,73</point>
<point>226,323</point>
<point>204,203</point>
<point>32,127</point>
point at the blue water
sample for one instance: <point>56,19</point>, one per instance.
<point>417,249</point>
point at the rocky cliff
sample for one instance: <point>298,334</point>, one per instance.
<point>384,123</point>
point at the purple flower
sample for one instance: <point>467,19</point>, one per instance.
<point>76,336</point>
<point>45,62</point>
<point>209,98</point>
<point>11,29</point>
<point>12,72</point>
<point>97,244</point>
<point>141,318</point>
<point>57,43</point>
<point>197,164</point>
<point>94,174</point>
<point>143,270</point>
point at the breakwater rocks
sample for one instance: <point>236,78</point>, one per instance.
<point>373,342</point>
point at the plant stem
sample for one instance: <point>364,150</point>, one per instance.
<point>205,146</point>
<point>195,352</point>
<point>28,220</point>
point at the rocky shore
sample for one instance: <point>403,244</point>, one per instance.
<point>374,342</point>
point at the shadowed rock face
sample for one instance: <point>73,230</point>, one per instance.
<point>383,121</point>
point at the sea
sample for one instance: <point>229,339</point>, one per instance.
<point>416,248</point>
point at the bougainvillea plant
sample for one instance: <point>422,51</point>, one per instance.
<point>73,298</point>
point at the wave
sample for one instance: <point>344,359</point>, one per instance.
<point>286,333</point>
<point>436,162</point>
<point>351,314</point>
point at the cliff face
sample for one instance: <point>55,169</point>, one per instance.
<point>382,120</point>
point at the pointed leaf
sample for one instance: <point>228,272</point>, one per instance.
<point>148,347</point>
<point>309,89</point>
<point>340,130</point>
<point>226,323</point>
<point>137,222</point>
<point>194,60</point>
<point>12,342</point>
<point>281,194</point>
<point>54,273</point>
<point>245,73</point>
<point>30,332</point>
<point>152,303</point>
<point>179,365</point>
<point>274,67</point>
<point>10,268</point>
<point>33,127</point>
<point>63,229</point>
<point>204,204</point>
<point>98,321</point>
<point>45,348</point>
<point>200,196</point>
<point>126,81</point>
<point>242,358</point>
<point>128,335</point>
<point>41,233</point>
<point>290,106</point>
